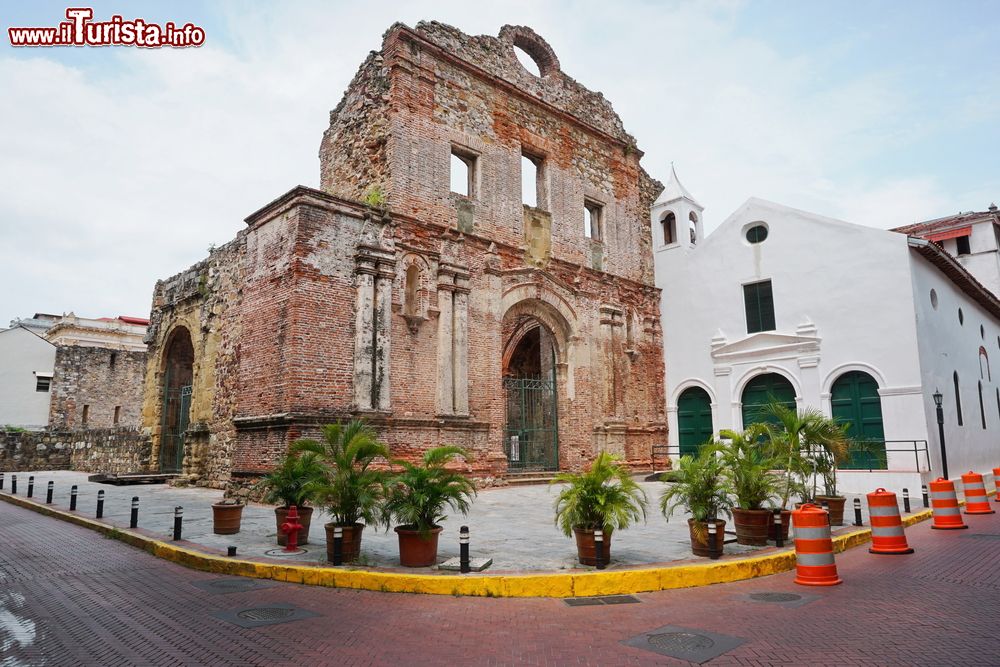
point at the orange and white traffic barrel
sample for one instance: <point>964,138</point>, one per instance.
<point>814,564</point>
<point>976,501</point>
<point>996,482</point>
<point>887,526</point>
<point>944,506</point>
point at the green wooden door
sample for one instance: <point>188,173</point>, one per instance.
<point>855,402</point>
<point>764,389</point>
<point>694,419</point>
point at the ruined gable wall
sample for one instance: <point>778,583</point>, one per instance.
<point>101,379</point>
<point>207,300</point>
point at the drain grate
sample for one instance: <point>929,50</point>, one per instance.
<point>605,599</point>
<point>266,614</point>
<point>271,614</point>
<point>983,536</point>
<point>237,585</point>
<point>685,643</point>
<point>775,597</point>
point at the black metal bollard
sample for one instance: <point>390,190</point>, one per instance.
<point>857,512</point>
<point>31,486</point>
<point>463,550</point>
<point>1,481</point>
<point>338,545</point>
<point>48,492</point>
<point>713,530</point>
<point>906,500</point>
<point>826,508</point>
<point>13,484</point>
<point>72,499</point>
<point>178,520</point>
<point>231,551</point>
<point>599,549</point>
<point>134,519</point>
<point>779,540</point>
<point>923,490</point>
<point>100,504</point>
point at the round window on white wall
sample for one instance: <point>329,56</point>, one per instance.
<point>934,299</point>
<point>756,233</point>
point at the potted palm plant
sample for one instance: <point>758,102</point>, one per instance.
<point>296,480</point>
<point>604,497</point>
<point>829,456</point>
<point>416,497</point>
<point>352,490</point>
<point>791,434</point>
<point>701,491</point>
<point>748,471</point>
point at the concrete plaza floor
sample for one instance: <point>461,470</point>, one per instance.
<point>512,525</point>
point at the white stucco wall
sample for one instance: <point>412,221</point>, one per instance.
<point>22,354</point>
<point>946,346</point>
<point>843,301</point>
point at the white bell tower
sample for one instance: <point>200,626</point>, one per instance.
<point>676,217</point>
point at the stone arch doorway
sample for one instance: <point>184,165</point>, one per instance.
<point>694,420</point>
<point>854,400</point>
<point>530,384</point>
<point>178,374</point>
<point>764,389</point>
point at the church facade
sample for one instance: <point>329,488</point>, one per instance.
<point>476,268</point>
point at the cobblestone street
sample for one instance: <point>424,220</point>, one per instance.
<point>71,597</point>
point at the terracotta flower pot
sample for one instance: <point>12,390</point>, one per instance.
<point>350,541</point>
<point>752,526</point>
<point>226,518</point>
<point>835,504</point>
<point>416,550</point>
<point>586,547</point>
<point>305,516</point>
<point>786,521</point>
<point>700,547</point>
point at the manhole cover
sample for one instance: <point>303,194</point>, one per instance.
<point>266,614</point>
<point>681,641</point>
<point>275,612</point>
<point>775,597</point>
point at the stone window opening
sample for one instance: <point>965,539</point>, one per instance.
<point>118,414</point>
<point>962,245</point>
<point>593,220</point>
<point>43,382</point>
<point>982,408</point>
<point>533,189</point>
<point>463,172</point>
<point>112,359</point>
<point>693,227</point>
<point>527,61</point>
<point>85,416</point>
<point>669,224</point>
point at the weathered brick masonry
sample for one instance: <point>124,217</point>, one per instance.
<point>411,309</point>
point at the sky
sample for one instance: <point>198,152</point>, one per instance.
<point>120,166</point>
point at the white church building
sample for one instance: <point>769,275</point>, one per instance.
<point>862,323</point>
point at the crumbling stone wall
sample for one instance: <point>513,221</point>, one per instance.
<point>111,450</point>
<point>386,296</point>
<point>108,381</point>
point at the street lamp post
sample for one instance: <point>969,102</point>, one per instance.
<point>938,398</point>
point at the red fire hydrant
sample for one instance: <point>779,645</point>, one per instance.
<point>291,528</point>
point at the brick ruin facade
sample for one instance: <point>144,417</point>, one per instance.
<point>386,295</point>
<point>96,387</point>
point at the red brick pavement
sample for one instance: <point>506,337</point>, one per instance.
<point>94,601</point>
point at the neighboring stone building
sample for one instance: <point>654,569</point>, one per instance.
<point>99,369</point>
<point>862,323</point>
<point>422,286</point>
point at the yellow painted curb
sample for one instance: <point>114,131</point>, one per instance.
<point>556,585</point>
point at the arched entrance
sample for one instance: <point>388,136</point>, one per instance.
<point>855,401</point>
<point>764,389</point>
<point>178,365</point>
<point>531,433</point>
<point>694,419</point>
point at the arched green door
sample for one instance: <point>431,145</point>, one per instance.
<point>764,389</point>
<point>694,419</point>
<point>855,402</point>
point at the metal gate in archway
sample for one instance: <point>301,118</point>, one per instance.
<point>531,437</point>
<point>176,414</point>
